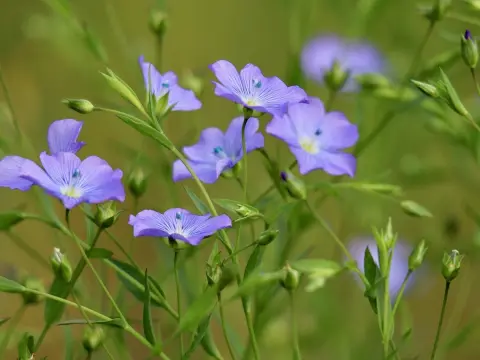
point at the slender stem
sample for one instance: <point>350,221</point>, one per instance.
<point>30,251</point>
<point>472,120</point>
<point>386,321</point>
<point>400,292</point>
<point>12,325</point>
<point>350,258</point>
<point>238,251</point>
<point>474,78</point>
<point>224,327</point>
<point>179,299</point>
<point>244,152</point>
<point>330,100</point>
<point>251,331</point>
<point>440,321</point>
<point>8,99</point>
<point>297,355</point>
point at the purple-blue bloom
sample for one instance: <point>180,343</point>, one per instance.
<point>399,267</point>
<point>316,137</point>
<point>177,224</point>
<point>159,85</point>
<point>216,151</point>
<point>253,90</point>
<point>62,137</point>
<point>74,181</point>
<point>356,58</point>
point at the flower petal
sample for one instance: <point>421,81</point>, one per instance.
<point>62,136</point>
<point>306,161</point>
<point>35,174</point>
<point>282,127</point>
<point>151,77</point>
<point>197,227</point>
<point>202,151</point>
<point>228,76</point>
<point>233,137</point>
<point>337,163</point>
<point>337,131</point>
<point>305,118</point>
<point>206,172</point>
<point>319,54</point>
<point>184,100</point>
<point>61,167</point>
<point>10,171</point>
<point>226,93</point>
<point>149,223</point>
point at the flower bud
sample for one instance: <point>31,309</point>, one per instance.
<point>107,214</point>
<point>227,276</point>
<point>254,113</point>
<point>389,237</point>
<point>428,89</point>
<point>192,82</point>
<point>417,256</point>
<point>267,236</point>
<point>35,284</point>
<point>448,94</point>
<point>291,278</point>
<point>372,81</point>
<point>81,106</point>
<point>60,265</point>
<point>161,105</point>
<point>93,338</point>
<point>439,10</point>
<point>213,274</point>
<point>176,245</point>
<point>451,265</point>
<point>158,22</point>
<point>122,89</point>
<point>137,182</point>
<point>469,49</point>
<point>247,212</point>
<point>336,77</point>
<point>295,187</point>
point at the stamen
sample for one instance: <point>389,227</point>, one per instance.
<point>165,84</point>
<point>257,83</point>
<point>318,132</point>
<point>178,216</point>
<point>76,174</point>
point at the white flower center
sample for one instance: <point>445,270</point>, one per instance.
<point>310,145</point>
<point>72,189</point>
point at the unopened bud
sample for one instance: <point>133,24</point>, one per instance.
<point>267,236</point>
<point>469,49</point>
<point>93,338</point>
<point>449,95</point>
<point>254,113</point>
<point>213,274</point>
<point>417,256</point>
<point>336,77</point>
<point>81,106</point>
<point>439,10</point>
<point>158,22</point>
<point>247,212</point>
<point>389,237</point>
<point>227,276</point>
<point>35,284</point>
<point>372,81</point>
<point>295,187</point>
<point>122,88</point>
<point>291,278</point>
<point>426,88</point>
<point>60,265</point>
<point>192,82</point>
<point>137,182</point>
<point>106,215</point>
<point>451,265</point>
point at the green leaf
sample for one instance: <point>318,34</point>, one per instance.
<point>116,322</point>
<point>147,315</point>
<point>25,347</point>
<point>146,129</point>
<point>197,338</point>
<point>100,253</point>
<point>386,189</point>
<point>369,267</point>
<point>53,310</point>
<point>254,261</point>
<point>413,209</point>
<point>198,310</point>
<point>10,286</point>
<point>3,321</point>
<point>94,45</point>
<point>209,346</point>
<point>11,218</point>
<point>199,204</point>
<point>133,281</point>
<point>319,266</point>
<point>257,281</point>
<point>246,212</point>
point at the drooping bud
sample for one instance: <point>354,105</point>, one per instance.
<point>192,82</point>
<point>451,265</point>
<point>417,256</point>
<point>336,77</point>
<point>469,49</point>
<point>267,236</point>
<point>81,106</point>
<point>426,88</point>
<point>158,22</point>
<point>107,214</point>
<point>291,278</point>
<point>35,284</point>
<point>295,187</point>
<point>137,182</point>
<point>93,338</point>
<point>60,265</point>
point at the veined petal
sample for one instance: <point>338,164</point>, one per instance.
<point>282,127</point>
<point>206,172</point>
<point>233,137</point>
<point>151,77</point>
<point>63,134</point>
<point>61,167</point>
<point>184,100</point>
<point>10,173</point>
<point>197,227</point>
<point>149,223</point>
<point>34,173</point>
<point>337,163</point>
<point>203,151</point>
<point>337,131</point>
<point>228,76</point>
<point>223,91</point>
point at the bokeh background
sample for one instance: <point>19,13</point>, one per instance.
<point>45,60</point>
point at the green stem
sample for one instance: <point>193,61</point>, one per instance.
<point>179,299</point>
<point>30,251</point>
<point>472,121</point>
<point>400,293</point>
<point>224,327</point>
<point>474,78</point>
<point>386,320</point>
<point>330,100</point>
<point>246,116</point>
<point>8,99</point>
<point>251,330</point>
<point>12,325</point>
<point>440,321</point>
<point>238,251</point>
<point>297,355</point>
<point>345,251</point>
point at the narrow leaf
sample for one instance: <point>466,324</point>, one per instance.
<point>147,315</point>
<point>100,253</point>
<point>413,209</point>
<point>254,261</point>
<point>11,218</point>
<point>199,204</point>
<point>10,286</point>
<point>198,310</point>
<point>116,323</point>
<point>257,281</point>
<point>318,266</point>
<point>3,321</point>
<point>146,129</point>
<point>197,338</point>
<point>369,267</point>
<point>246,212</point>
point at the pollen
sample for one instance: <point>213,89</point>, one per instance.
<point>309,145</point>
<point>71,191</point>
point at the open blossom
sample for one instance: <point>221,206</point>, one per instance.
<point>178,224</point>
<point>399,266</point>
<point>253,90</point>
<point>159,85</point>
<point>356,58</point>
<point>216,151</point>
<point>316,137</point>
<point>62,137</point>
<point>74,181</point>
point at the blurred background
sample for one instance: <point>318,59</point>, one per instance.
<point>45,59</point>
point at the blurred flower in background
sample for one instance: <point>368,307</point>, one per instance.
<point>399,267</point>
<point>354,58</point>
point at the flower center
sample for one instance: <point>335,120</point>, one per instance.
<point>257,83</point>
<point>178,223</point>
<point>219,152</point>
<point>310,145</point>
<point>71,189</point>
<point>165,84</point>
<point>318,132</point>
